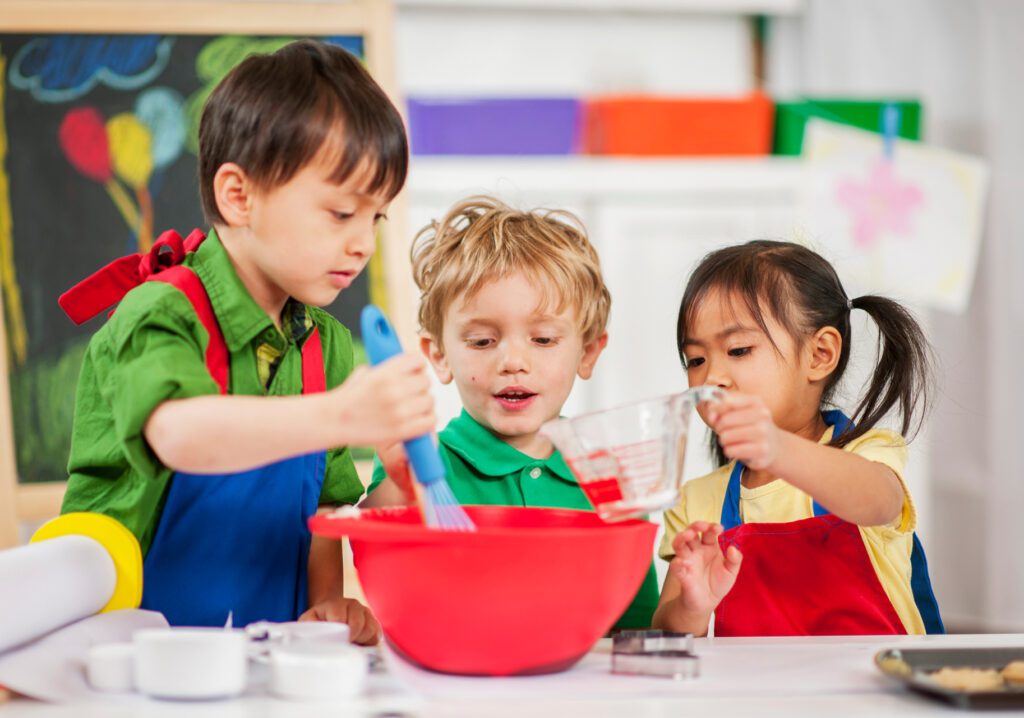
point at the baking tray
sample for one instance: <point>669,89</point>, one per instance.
<point>914,666</point>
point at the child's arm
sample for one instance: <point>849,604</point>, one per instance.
<point>396,488</point>
<point>220,434</point>
<point>698,578</point>
<point>326,594</point>
<point>863,492</point>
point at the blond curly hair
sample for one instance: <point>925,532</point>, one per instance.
<point>482,239</point>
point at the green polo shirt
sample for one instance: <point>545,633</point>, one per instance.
<point>153,350</point>
<point>484,470</point>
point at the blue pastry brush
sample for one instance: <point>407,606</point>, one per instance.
<point>440,507</point>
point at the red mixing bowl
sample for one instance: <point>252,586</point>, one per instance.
<point>530,591</point>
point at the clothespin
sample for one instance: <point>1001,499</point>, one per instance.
<point>890,128</point>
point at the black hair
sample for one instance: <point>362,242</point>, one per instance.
<point>273,113</point>
<point>803,293</point>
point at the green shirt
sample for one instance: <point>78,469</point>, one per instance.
<point>153,350</point>
<point>484,470</point>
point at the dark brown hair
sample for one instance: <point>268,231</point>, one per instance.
<point>273,113</point>
<point>803,293</point>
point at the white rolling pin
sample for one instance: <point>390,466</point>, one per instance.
<point>76,565</point>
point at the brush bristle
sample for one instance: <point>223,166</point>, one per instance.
<point>442,510</point>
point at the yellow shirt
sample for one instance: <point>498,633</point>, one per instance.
<point>889,547</point>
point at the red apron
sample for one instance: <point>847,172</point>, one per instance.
<point>810,577</point>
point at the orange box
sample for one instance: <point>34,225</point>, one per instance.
<point>643,125</point>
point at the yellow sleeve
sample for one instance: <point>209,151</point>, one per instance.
<point>889,448</point>
<point>675,521</point>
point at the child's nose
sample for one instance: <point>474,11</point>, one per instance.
<point>513,360</point>
<point>364,242</point>
<point>717,376</point>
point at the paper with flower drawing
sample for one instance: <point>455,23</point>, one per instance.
<point>908,226</point>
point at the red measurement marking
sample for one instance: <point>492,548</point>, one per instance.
<point>602,491</point>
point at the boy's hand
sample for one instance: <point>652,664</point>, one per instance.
<point>745,430</point>
<point>363,627</point>
<point>704,573</point>
<point>396,466</point>
<point>387,403</point>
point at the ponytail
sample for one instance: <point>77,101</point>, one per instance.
<point>902,376</point>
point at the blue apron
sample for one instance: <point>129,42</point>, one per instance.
<point>227,542</point>
<point>236,542</point>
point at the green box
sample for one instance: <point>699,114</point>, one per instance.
<point>790,118</point>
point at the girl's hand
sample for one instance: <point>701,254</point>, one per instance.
<point>704,573</point>
<point>746,430</point>
<point>363,627</point>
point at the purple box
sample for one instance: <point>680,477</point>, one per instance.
<point>505,126</point>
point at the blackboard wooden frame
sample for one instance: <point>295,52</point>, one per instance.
<point>372,19</point>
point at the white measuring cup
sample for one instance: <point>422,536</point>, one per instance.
<point>629,460</point>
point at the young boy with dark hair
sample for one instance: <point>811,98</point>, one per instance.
<point>214,407</point>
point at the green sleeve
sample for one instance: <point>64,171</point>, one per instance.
<point>153,351</point>
<point>378,475</point>
<point>341,481</point>
<point>641,611</point>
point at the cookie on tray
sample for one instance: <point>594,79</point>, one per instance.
<point>971,680</point>
<point>1014,673</point>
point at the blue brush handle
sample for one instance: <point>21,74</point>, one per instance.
<point>381,344</point>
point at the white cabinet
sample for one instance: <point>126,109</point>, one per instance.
<point>651,221</point>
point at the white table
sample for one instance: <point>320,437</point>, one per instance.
<point>752,678</point>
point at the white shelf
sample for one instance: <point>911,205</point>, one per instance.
<point>633,179</point>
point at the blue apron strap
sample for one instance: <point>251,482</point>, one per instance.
<point>731,505</point>
<point>921,585</point>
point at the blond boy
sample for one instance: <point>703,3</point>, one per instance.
<point>513,309</point>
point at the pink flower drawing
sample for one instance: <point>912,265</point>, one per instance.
<point>879,204</point>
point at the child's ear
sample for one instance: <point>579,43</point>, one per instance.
<point>435,355</point>
<point>591,352</point>
<point>824,350</point>
<point>232,191</point>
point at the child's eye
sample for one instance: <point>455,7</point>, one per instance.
<point>341,215</point>
<point>692,362</point>
<point>479,343</point>
<point>739,351</point>
<point>545,341</point>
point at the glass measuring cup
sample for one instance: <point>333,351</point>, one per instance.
<point>629,459</point>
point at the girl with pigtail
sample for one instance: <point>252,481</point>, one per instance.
<point>807,526</point>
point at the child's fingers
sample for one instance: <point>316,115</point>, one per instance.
<point>405,364</point>
<point>733,559</point>
<point>744,416</point>
<point>753,455</point>
<point>363,628</point>
<point>742,435</point>
<point>710,536</point>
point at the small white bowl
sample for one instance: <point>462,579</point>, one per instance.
<point>110,667</point>
<point>191,663</point>
<point>317,671</point>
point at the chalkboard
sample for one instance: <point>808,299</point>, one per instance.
<point>97,157</point>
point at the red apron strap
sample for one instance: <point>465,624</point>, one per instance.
<point>188,282</point>
<point>313,377</point>
<point>108,285</point>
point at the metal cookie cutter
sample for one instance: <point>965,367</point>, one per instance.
<point>654,653</point>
